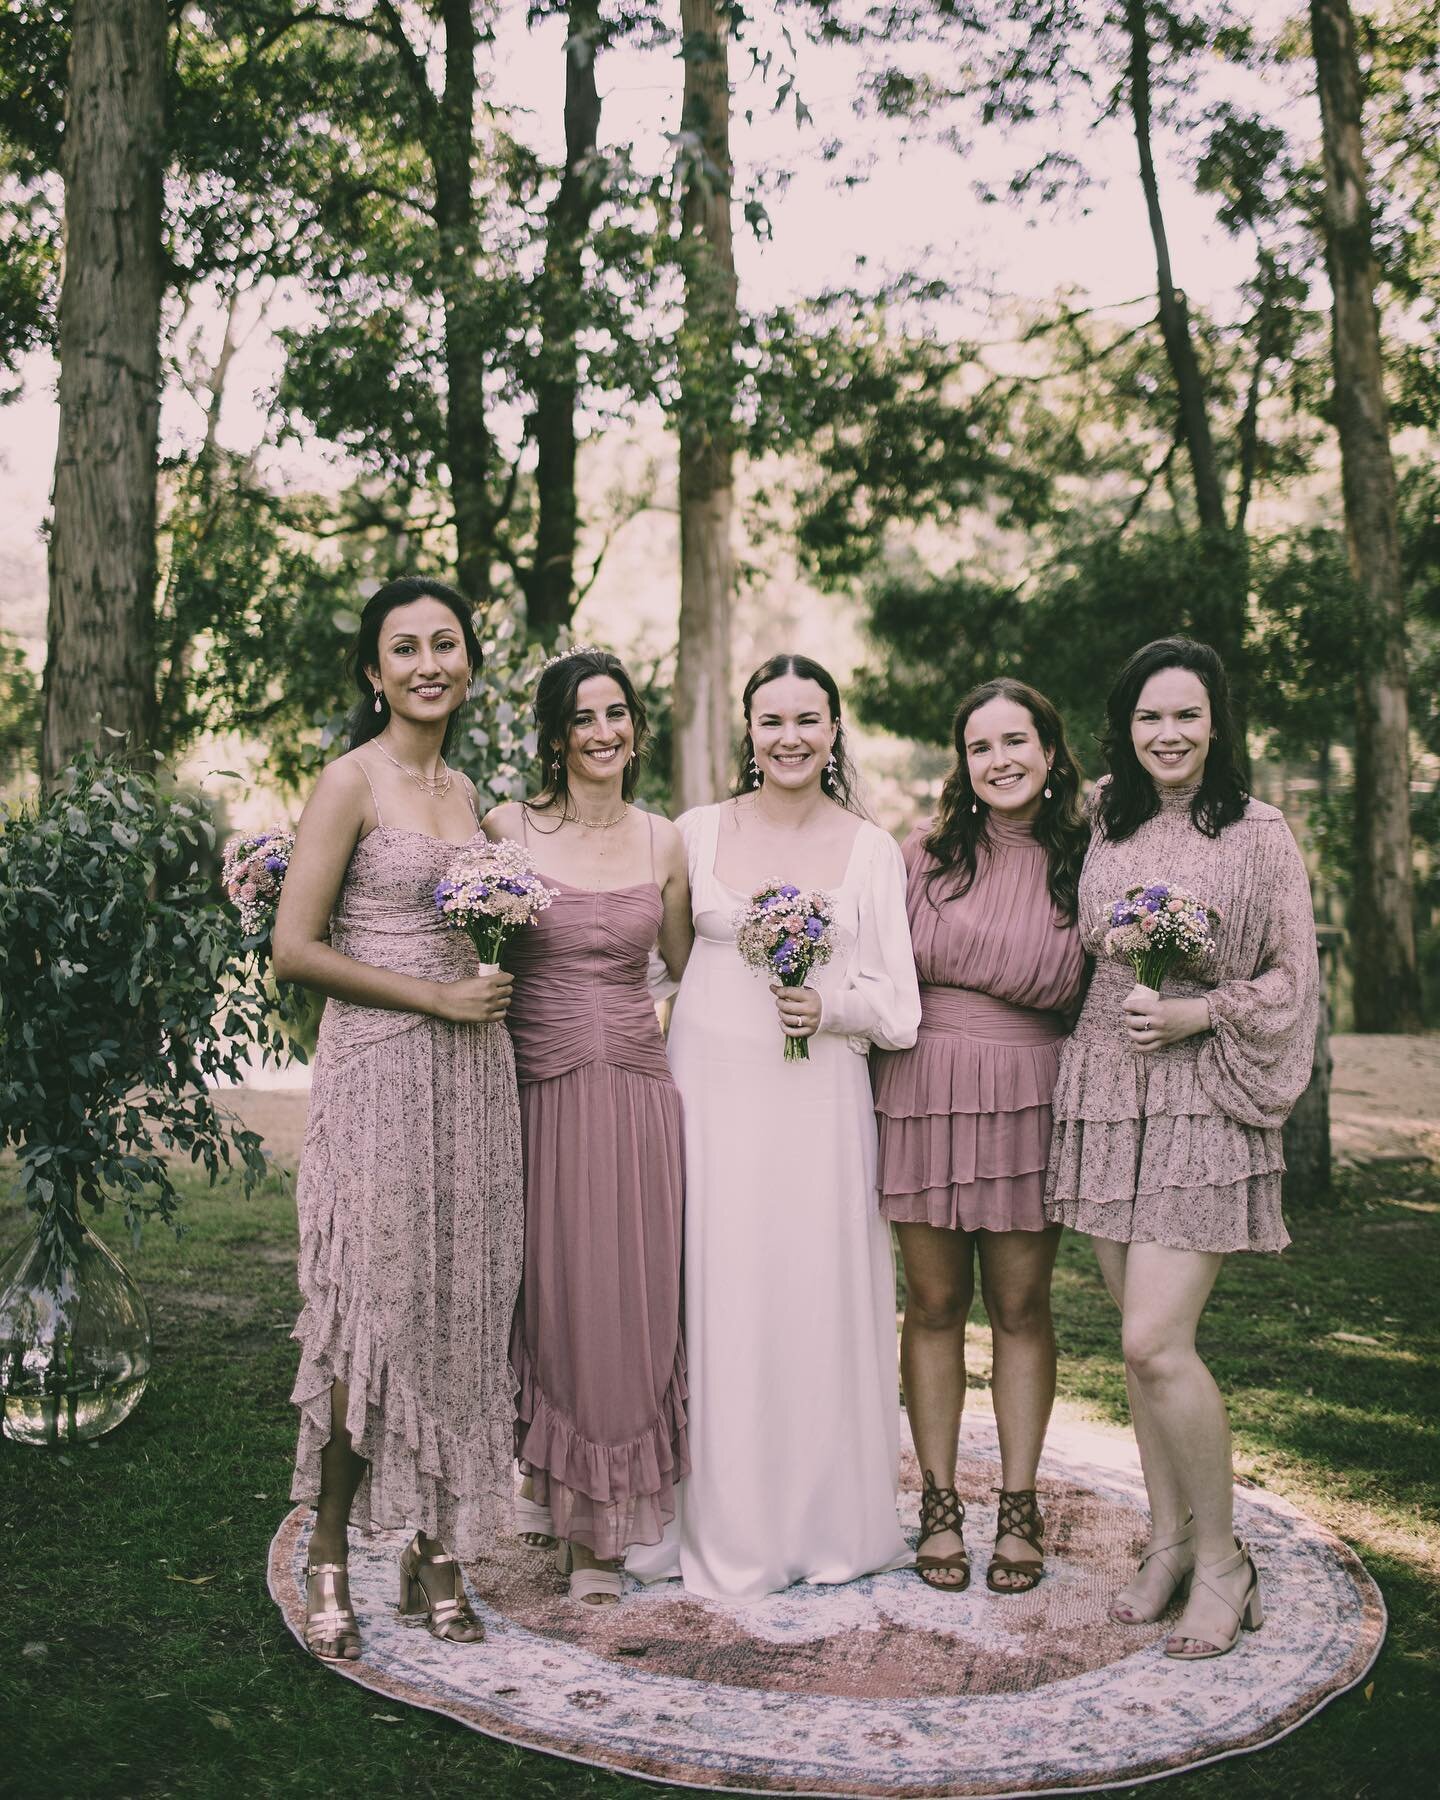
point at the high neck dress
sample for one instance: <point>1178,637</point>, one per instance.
<point>1181,1145</point>
<point>596,1344</point>
<point>964,1116</point>
<point>410,1204</point>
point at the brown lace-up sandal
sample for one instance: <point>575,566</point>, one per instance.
<point>449,1616</point>
<point>941,1510</point>
<point>1019,1517</point>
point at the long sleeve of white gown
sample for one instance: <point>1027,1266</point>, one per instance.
<point>879,1000</point>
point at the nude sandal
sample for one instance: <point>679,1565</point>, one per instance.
<point>1249,1615</point>
<point>1161,1550</point>
<point>609,1583</point>
<point>534,1524</point>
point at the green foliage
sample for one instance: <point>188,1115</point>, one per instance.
<point>20,714</point>
<point>123,989</point>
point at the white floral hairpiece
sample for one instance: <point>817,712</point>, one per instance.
<point>574,650</point>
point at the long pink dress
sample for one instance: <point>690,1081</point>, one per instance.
<point>964,1116</point>
<point>1181,1146</point>
<point>410,1205</point>
<point>596,1343</point>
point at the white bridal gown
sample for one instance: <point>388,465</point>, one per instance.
<point>789,1285</point>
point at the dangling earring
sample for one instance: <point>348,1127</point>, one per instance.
<point>555,767</point>
<point>756,778</point>
<point>469,689</point>
<point>379,703</point>
<point>1048,794</point>
<point>974,806</point>
<point>830,771</point>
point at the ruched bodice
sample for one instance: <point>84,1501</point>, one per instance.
<point>1004,937</point>
<point>580,984</point>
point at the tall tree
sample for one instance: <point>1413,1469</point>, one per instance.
<point>102,549</point>
<point>550,596</point>
<point>704,727</point>
<point>1382,928</point>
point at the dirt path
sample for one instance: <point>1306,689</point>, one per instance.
<point>1384,1103</point>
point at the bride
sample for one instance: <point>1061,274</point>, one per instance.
<point>789,1285</point>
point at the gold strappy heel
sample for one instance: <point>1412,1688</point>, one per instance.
<point>329,1617</point>
<point>450,1618</point>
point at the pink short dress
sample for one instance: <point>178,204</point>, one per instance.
<point>964,1116</point>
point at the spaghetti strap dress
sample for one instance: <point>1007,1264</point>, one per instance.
<point>411,1221</point>
<point>596,1344</point>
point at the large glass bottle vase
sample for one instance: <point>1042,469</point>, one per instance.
<point>75,1338</point>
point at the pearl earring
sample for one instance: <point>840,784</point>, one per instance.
<point>1048,794</point>
<point>974,806</point>
<point>379,703</point>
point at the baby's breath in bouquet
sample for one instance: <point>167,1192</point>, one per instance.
<point>784,933</point>
<point>492,891</point>
<point>1157,928</point>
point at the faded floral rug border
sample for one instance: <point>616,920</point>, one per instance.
<point>884,1686</point>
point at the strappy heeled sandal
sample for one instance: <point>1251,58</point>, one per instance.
<point>1249,1615</point>
<point>451,1617</point>
<point>941,1510</point>
<point>1019,1517</point>
<point>534,1524</point>
<point>607,1584</point>
<point>1160,1550</point>
<point>329,1616</point>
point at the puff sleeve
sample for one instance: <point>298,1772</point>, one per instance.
<point>1257,1062</point>
<point>878,1002</point>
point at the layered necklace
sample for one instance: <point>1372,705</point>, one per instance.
<point>437,786</point>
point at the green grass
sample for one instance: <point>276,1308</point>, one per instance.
<point>141,1655</point>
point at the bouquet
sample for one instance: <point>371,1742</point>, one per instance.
<point>252,872</point>
<point>491,892</point>
<point>784,934</point>
<point>1157,928</point>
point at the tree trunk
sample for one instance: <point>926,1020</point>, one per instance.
<point>467,438</point>
<point>1382,913</point>
<point>102,547</point>
<point>704,728</point>
<point>1227,627</point>
<point>550,596</point>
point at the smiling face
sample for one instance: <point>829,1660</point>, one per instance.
<point>1171,728</point>
<point>602,733</point>
<point>1007,763</point>
<point>423,667</point>
<point>791,731</point>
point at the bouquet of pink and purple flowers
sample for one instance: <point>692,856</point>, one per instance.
<point>252,871</point>
<point>1156,928</point>
<point>492,892</point>
<point>784,933</point>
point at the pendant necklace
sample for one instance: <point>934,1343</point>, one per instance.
<point>437,786</point>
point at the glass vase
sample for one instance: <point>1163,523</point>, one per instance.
<point>75,1338</point>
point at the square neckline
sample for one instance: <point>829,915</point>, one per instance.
<point>822,887</point>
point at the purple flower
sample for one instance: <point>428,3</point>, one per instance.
<point>787,892</point>
<point>276,864</point>
<point>814,928</point>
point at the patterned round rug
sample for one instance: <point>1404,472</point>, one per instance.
<point>884,1686</point>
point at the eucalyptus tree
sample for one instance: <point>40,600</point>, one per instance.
<point>1382,919</point>
<point>102,546</point>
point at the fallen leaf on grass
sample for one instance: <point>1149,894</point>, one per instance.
<point>388,1718</point>
<point>1369,1689</point>
<point>35,1648</point>
<point>221,1721</point>
<point>191,1580</point>
<point>1353,1337</point>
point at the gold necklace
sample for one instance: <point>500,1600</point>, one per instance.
<point>601,824</point>
<point>437,786</point>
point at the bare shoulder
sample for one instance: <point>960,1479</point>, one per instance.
<point>503,821</point>
<point>342,783</point>
<point>669,844</point>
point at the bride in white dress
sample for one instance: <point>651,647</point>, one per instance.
<point>789,1284</point>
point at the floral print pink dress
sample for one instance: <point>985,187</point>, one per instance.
<point>1181,1146</point>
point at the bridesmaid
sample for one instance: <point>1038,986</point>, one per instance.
<point>409,1190</point>
<point>1168,1112</point>
<point>965,1116</point>
<point>596,1343</point>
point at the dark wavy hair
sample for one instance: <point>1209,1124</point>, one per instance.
<point>842,783</point>
<point>365,722</point>
<point>555,708</point>
<point>1130,796</point>
<point>960,834</point>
